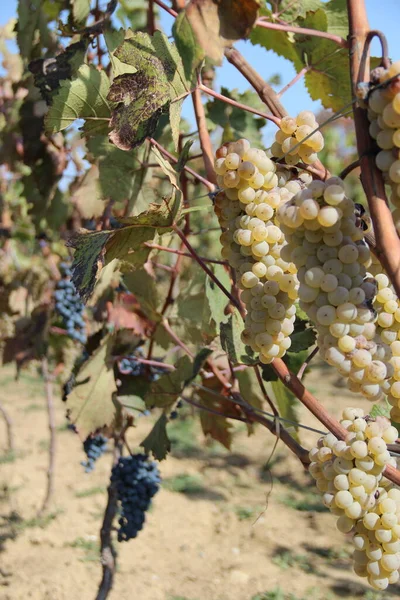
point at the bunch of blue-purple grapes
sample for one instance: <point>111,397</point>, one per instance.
<point>69,305</point>
<point>137,480</point>
<point>94,447</point>
<point>130,365</point>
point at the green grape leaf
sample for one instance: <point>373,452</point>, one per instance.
<point>165,391</point>
<point>327,78</point>
<point>84,97</point>
<point>95,248</point>
<point>113,39</point>
<point>80,11</point>
<point>157,442</point>
<point>235,122</point>
<point>29,18</point>
<point>231,340</point>
<point>206,28</point>
<point>217,300</point>
<point>144,287</point>
<point>286,403</point>
<point>380,410</point>
<point>184,156</point>
<point>90,404</point>
<point>302,340</point>
<point>121,177</point>
<point>49,72</point>
<point>198,363</point>
<point>142,97</point>
<point>250,388</point>
<point>218,428</point>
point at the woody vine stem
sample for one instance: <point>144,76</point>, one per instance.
<point>387,241</point>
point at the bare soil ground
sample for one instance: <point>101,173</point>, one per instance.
<point>223,527</point>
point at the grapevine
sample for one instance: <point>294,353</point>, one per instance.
<point>160,264</point>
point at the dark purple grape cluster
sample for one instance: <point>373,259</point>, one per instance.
<point>94,446</point>
<point>129,365</point>
<point>137,480</point>
<point>69,305</point>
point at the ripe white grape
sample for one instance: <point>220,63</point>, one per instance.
<point>364,503</point>
<point>298,140</point>
<point>252,244</point>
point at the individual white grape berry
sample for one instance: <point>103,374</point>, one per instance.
<point>298,139</point>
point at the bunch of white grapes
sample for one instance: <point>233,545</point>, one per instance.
<point>384,117</point>
<point>335,291</point>
<point>252,244</point>
<point>349,474</point>
<point>298,139</point>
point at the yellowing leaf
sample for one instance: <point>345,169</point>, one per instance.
<point>90,404</point>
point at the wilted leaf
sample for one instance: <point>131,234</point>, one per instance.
<point>218,428</point>
<point>157,442</point>
<point>165,391</point>
<point>143,96</point>
<point>94,248</point>
<point>123,314</point>
<point>206,28</point>
<point>85,97</point>
<point>49,72</point>
<point>90,405</point>
<point>231,340</point>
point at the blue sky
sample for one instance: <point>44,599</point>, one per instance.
<point>383,15</point>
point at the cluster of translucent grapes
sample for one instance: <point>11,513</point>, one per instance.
<point>349,474</point>
<point>297,139</point>
<point>252,244</point>
<point>384,116</point>
<point>335,289</point>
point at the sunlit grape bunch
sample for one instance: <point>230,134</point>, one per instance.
<point>350,475</point>
<point>252,244</point>
<point>298,139</point>
<point>384,116</point>
<point>336,290</point>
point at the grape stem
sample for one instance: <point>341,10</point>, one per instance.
<point>347,170</point>
<point>388,243</point>
<point>314,406</point>
<point>107,551</point>
<point>261,22</point>
<point>305,364</point>
<point>182,253</point>
<point>9,427</point>
<point>204,136</point>
<point>232,102</point>
<point>169,10</point>
<point>48,381</point>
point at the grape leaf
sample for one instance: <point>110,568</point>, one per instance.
<point>90,405</point>
<point>49,72</point>
<point>217,300</point>
<point>218,428</point>
<point>94,248</point>
<point>84,97</point>
<point>80,11</point>
<point>121,177</point>
<point>206,28</point>
<point>380,410</point>
<point>236,123</point>
<point>302,340</point>
<point>231,340</point>
<point>144,287</point>
<point>286,402</point>
<point>86,197</point>
<point>157,441</point>
<point>165,391</point>
<point>250,388</point>
<point>327,78</point>
<point>198,363</point>
<point>142,97</point>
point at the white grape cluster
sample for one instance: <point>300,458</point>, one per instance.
<point>252,244</point>
<point>332,258</point>
<point>349,474</point>
<point>384,117</point>
<point>298,139</point>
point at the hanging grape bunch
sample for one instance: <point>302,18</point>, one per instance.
<point>69,306</point>
<point>94,446</point>
<point>136,480</point>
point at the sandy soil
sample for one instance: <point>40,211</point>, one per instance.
<point>233,533</point>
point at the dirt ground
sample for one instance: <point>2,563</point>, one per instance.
<point>221,528</point>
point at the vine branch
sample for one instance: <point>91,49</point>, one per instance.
<point>303,31</point>
<point>388,243</point>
